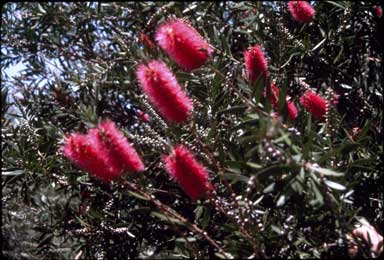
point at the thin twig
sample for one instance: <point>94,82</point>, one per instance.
<point>225,54</point>
<point>170,211</point>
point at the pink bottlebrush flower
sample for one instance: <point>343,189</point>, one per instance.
<point>185,169</point>
<point>274,99</point>
<point>292,110</point>
<point>255,63</point>
<point>103,152</point>
<point>379,11</point>
<point>315,104</point>
<point>120,149</point>
<point>83,151</point>
<point>163,90</point>
<point>301,11</point>
<point>183,43</point>
<point>99,143</point>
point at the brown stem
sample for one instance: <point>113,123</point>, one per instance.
<point>232,87</point>
<point>193,248</point>
<point>164,208</point>
<point>225,54</point>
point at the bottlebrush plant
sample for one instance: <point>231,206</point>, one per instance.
<point>158,130</point>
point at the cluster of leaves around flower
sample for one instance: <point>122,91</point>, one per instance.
<point>295,187</point>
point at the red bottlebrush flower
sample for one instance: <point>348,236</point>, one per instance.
<point>301,11</point>
<point>379,11</point>
<point>104,152</point>
<point>183,43</point>
<point>274,99</point>
<point>292,110</point>
<point>315,104</point>
<point>163,90</point>
<point>191,175</point>
<point>119,147</point>
<point>83,152</point>
<point>255,63</point>
<point>144,39</point>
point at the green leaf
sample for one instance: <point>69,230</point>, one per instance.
<point>251,122</point>
<point>364,131</point>
<point>220,255</point>
<point>296,186</point>
<point>82,222</point>
<point>236,177</point>
<point>216,35</point>
<point>233,110</point>
<point>290,58</point>
<point>273,170</point>
<point>270,188</point>
<point>12,173</point>
<point>334,185</point>
<point>282,98</point>
<point>41,9</point>
<point>308,145</point>
<point>234,164</point>
<point>254,165</point>
<point>199,212</point>
<point>224,42</point>
<point>319,44</point>
<point>45,239</point>
<point>277,230</point>
<point>327,172</point>
<point>166,218</point>
<point>339,55</point>
<point>184,240</point>
<point>137,195</point>
<point>258,88</point>
<point>338,4</point>
<point>319,198</point>
<point>281,201</point>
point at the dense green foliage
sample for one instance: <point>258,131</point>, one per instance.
<point>79,62</point>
